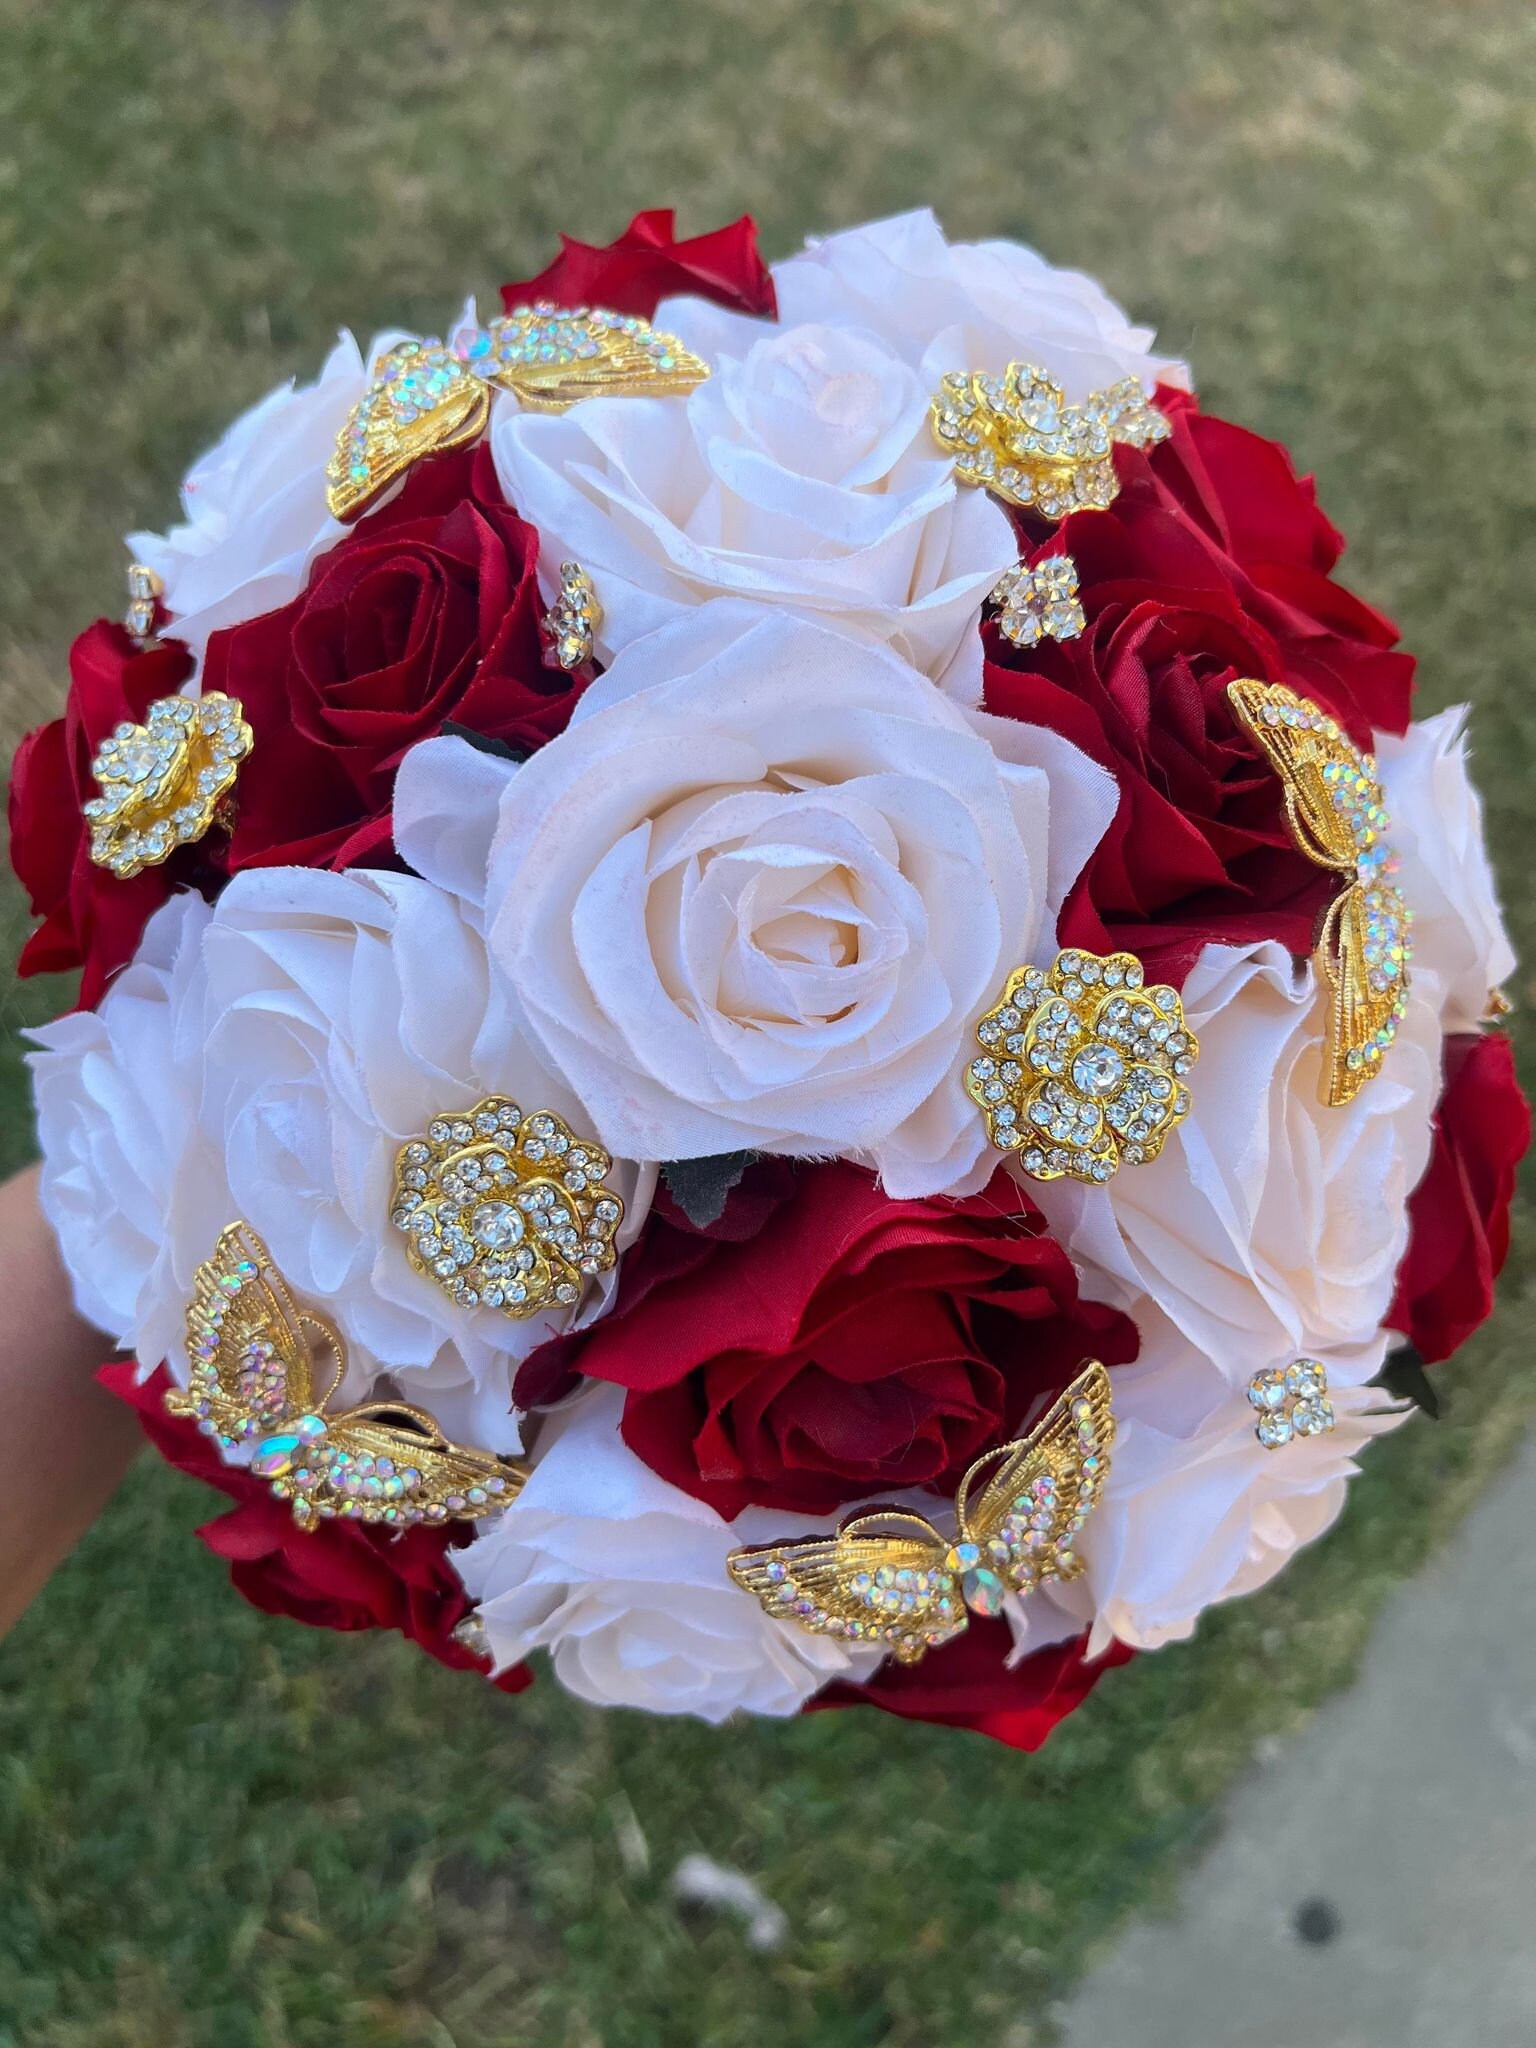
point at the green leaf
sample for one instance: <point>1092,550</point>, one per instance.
<point>700,1186</point>
<point>1403,1376</point>
<point>481,741</point>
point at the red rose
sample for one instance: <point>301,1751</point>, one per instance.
<point>853,1345</point>
<point>648,264</point>
<point>1212,564</point>
<point>340,1575</point>
<point>1458,1216</point>
<point>969,1683</point>
<point>91,920</point>
<point>429,610</point>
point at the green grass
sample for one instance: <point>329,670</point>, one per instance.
<point>219,1829</point>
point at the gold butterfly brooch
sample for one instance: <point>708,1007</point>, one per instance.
<point>427,396</point>
<point>887,1577</point>
<point>253,1353</point>
<point>1334,806</point>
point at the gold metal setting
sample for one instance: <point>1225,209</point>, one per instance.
<point>253,1353</point>
<point>1039,603</point>
<point>506,1211</point>
<point>1291,1403</point>
<point>145,591</point>
<point>549,357</point>
<point>1334,805</point>
<point>1016,436</point>
<point>427,396</point>
<point>1082,1067</point>
<point>422,400</point>
<point>888,1578</point>
<point>573,619</point>
<point>165,783</point>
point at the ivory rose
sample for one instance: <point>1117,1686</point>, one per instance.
<point>802,472</point>
<point>1271,1226</point>
<point>1437,832</point>
<point>623,1579</point>
<point>264,1060</point>
<point>254,504</point>
<point>758,891</point>
<point>966,305</point>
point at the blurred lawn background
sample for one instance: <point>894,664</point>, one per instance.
<point>216,1828</point>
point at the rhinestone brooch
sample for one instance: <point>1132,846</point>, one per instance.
<point>1337,818</point>
<point>1291,1403</point>
<point>145,591</point>
<point>1039,603</point>
<point>257,1361</point>
<point>572,621</point>
<point>427,396</point>
<point>1016,436</point>
<point>165,783</point>
<point>504,1210</point>
<point>1082,1067</point>
<point>887,1578</point>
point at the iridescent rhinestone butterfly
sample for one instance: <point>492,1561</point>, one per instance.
<point>1334,806</point>
<point>888,1578</point>
<point>427,396</point>
<point>253,1353</point>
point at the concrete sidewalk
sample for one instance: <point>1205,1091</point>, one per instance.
<point>1375,1885</point>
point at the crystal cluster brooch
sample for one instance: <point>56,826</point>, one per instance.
<point>572,621</point>
<point>1082,1067</point>
<point>1017,436</point>
<point>504,1210</point>
<point>1291,1403</point>
<point>164,783</point>
<point>1040,602</point>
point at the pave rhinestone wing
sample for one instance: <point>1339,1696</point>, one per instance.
<point>881,1580</point>
<point>1017,436</point>
<point>550,357</point>
<point>1027,1517</point>
<point>422,400</point>
<point>888,1580</point>
<point>1333,802</point>
<point>427,396</point>
<point>252,1351</point>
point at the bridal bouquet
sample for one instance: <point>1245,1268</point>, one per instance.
<point>776,994</point>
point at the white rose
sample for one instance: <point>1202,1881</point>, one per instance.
<point>1188,1520</point>
<point>255,508</point>
<point>966,306</point>
<point>759,890</point>
<point>623,1579</point>
<point>265,1060</point>
<point>1272,1226</point>
<point>803,472</point>
<point>115,1115</point>
<point>1437,832</point>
